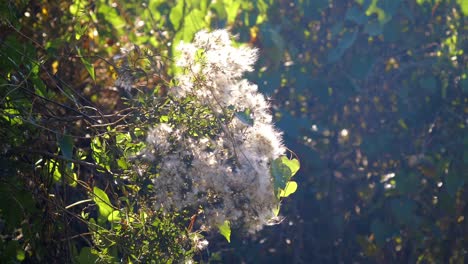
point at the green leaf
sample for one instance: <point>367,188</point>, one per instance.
<point>281,174</point>
<point>115,216</point>
<point>453,182</point>
<point>66,146</point>
<point>53,167</point>
<point>356,15</point>
<point>122,138</point>
<point>122,163</point>
<point>428,83</point>
<point>291,187</point>
<point>282,170</point>
<point>193,22</point>
<point>381,231</point>
<point>403,211</point>
<point>96,145</point>
<point>102,201</point>
<point>293,165</point>
<point>89,67</point>
<point>225,230</point>
<point>219,9</point>
<point>373,28</point>
<point>164,119</point>
<point>73,181</point>
<point>86,256</point>
<point>276,210</point>
<point>345,43</point>
<point>20,254</point>
<point>464,6</point>
<point>232,10</point>
<point>176,14</point>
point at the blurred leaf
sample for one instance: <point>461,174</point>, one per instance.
<point>428,83</point>
<point>219,8</point>
<point>193,22</point>
<point>381,232</point>
<point>336,29</point>
<point>373,28</point>
<point>89,67</point>
<point>225,230</point>
<point>361,66</point>
<point>453,182</point>
<point>344,44</point>
<point>176,14</point>
<point>464,6</point>
<point>66,145</point>
<point>356,15</point>
<point>391,31</point>
<point>390,7</point>
<point>403,210</point>
<point>232,10</point>
<point>20,254</point>
<point>407,182</point>
<point>273,42</point>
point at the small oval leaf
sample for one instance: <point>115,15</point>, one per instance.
<point>225,230</point>
<point>290,188</point>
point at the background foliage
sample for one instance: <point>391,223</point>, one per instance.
<point>371,94</point>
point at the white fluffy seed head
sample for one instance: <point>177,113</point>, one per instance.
<point>228,174</point>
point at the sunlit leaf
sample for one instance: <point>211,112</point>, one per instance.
<point>225,230</point>
<point>293,164</point>
<point>464,6</point>
<point>276,210</point>
<point>232,10</point>
<point>115,216</point>
<point>176,14</point>
<point>53,167</point>
<point>122,163</point>
<point>102,201</point>
<point>291,187</point>
<point>73,181</point>
<point>20,254</point>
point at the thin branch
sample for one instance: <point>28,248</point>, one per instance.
<point>60,157</point>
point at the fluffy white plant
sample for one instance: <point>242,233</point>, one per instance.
<point>226,175</point>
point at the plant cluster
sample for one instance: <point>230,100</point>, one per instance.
<point>104,160</point>
<point>225,171</point>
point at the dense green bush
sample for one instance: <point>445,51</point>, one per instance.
<point>117,152</point>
